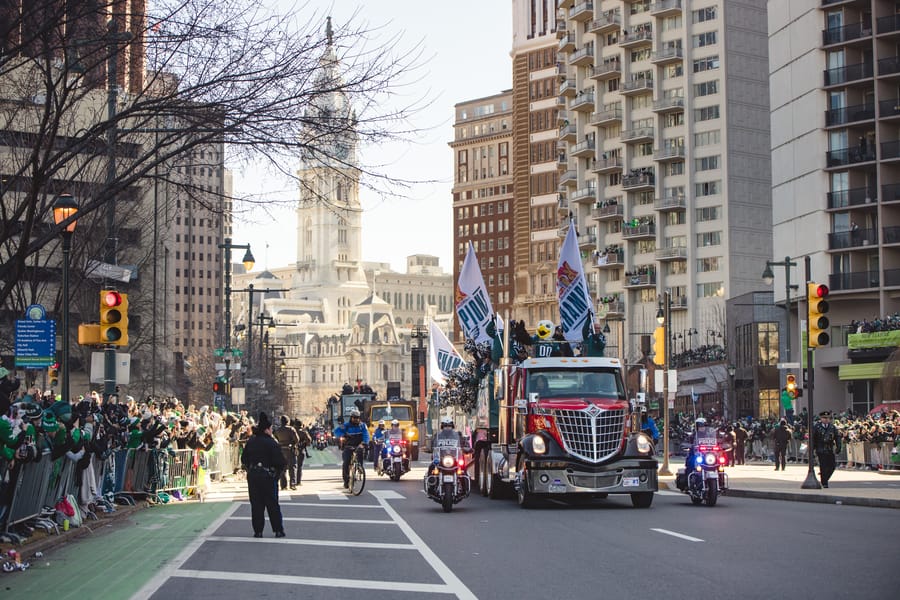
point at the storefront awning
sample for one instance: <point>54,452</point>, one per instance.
<point>861,371</point>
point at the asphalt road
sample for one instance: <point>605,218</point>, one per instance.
<point>394,540</point>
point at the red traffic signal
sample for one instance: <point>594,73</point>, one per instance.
<point>111,298</point>
<point>816,294</point>
<point>218,387</point>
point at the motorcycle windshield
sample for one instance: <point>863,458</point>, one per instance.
<point>452,451</point>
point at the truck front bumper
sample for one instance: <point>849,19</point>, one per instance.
<point>621,477</point>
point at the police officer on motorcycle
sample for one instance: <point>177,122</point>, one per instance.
<point>356,435</point>
<point>448,436</point>
<point>378,444</point>
<point>700,432</point>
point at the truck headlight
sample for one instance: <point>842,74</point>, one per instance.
<point>538,445</point>
<point>644,445</point>
<point>412,432</point>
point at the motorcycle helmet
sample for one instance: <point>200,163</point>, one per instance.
<point>395,422</point>
<point>700,422</point>
<point>447,422</point>
<point>354,412</point>
<point>381,423</point>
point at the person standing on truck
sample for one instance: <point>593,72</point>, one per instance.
<point>356,435</point>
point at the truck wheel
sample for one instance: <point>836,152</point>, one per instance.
<point>641,499</point>
<point>524,497</point>
<point>494,489</point>
<point>484,481</point>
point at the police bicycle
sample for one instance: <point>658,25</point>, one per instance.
<point>357,471</point>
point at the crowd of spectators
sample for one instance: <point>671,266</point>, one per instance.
<point>697,356</point>
<point>888,323</point>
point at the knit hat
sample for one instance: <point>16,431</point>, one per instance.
<point>49,423</point>
<point>264,422</point>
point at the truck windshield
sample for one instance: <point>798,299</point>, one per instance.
<point>565,383</point>
<point>401,413</point>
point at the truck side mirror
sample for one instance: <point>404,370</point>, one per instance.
<point>532,397</point>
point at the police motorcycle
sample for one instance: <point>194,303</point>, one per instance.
<point>706,478</point>
<point>447,481</point>
<point>394,457</point>
<point>321,441</point>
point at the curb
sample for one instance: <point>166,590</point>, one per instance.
<point>801,497</point>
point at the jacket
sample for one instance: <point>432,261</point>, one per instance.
<point>354,434</point>
<point>262,455</point>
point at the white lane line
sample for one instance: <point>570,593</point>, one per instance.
<point>325,504</point>
<point>174,565</point>
<point>676,534</point>
<point>309,542</point>
<point>365,584</point>
<point>454,583</point>
<point>318,520</point>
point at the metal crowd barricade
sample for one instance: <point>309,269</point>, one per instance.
<point>31,489</point>
<point>137,472</point>
<point>182,470</point>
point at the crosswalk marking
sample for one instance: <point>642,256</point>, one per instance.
<point>325,520</point>
<point>365,584</point>
<point>676,534</point>
<point>311,542</point>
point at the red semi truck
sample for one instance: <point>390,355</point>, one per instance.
<point>560,427</point>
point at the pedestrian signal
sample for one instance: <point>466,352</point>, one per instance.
<point>816,297</point>
<point>659,346</point>
<point>113,318</point>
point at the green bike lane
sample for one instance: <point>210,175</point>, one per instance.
<point>114,564</point>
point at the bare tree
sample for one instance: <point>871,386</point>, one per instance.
<point>185,74</point>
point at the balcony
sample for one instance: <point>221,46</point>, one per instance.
<point>608,21</point>
<point>890,235</point>
<point>614,309</point>
<point>587,240</point>
<point>665,7</point>
<point>679,303</point>
<point>567,43</point>
<point>607,165</point>
<point>608,70</point>
<point>891,277</point>
<point>562,117</point>
<point>842,75</point>
<point>669,154</point>
<point>888,24</point>
<point>849,114</point>
<point>585,194</point>
<point>609,260</point>
<point>561,29</point>
<point>643,231</point>
<point>606,117</point>
<point>642,37</point>
<point>582,12</point>
<point>569,177</point>
<point>566,3</point>
<point>890,192</point>
<point>666,105</point>
<point>637,86</point>
<point>848,156</point>
<point>633,136</point>
<point>584,149</point>
<point>568,133</point>
<point>858,238</point>
<point>847,33</point>
<point>667,55</point>
<point>674,253</point>
<point>637,281</point>
<point>856,280</point>
<point>641,181</point>
<point>567,88</point>
<point>584,56</point>
<point>889,66</point>
<point>562,160</point>
<point>562,204</point>
<point>889,108</point>
<point>853,197</point>
<point>608,212</point>
<point>670,203</point>
<point>583,102</point>
<point>890,150</point>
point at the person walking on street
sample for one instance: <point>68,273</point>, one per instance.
<point>826,442</point>
<point>305,441</point>
<point>781,436</point>
<point>264,462</point>
<point>289,442</point>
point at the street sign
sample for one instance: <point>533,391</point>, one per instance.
<point>35,343</point>
<point>238,397</point>
<point>218,352</point>
<point>790,365</point>
<point>123,367</point>
<point>99,270</point>
<point>234,367</point>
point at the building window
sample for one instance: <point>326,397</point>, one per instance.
<point>707,188</point>
<point>704,39</point>
<point>706,113</point>
<point>706,88</point>
<point>713,289</point>
<point>707,163</point>
<point>706,64</point>
<point>709,238</point>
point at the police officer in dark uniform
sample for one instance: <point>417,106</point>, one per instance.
<point>289,442</point>
<point>826,443</point>
<point>264,462</point>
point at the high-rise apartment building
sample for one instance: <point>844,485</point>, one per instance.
<point>483,192</point>
<point>835,97</point>
<point>664,160</point>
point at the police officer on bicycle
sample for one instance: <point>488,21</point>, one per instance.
<point>356,435</point>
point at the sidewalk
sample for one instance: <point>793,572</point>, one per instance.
<point>879,489</point>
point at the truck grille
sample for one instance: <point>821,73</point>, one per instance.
<point>592,434</point>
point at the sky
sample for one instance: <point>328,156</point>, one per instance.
<point>466,55</point>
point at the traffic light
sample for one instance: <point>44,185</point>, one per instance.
<point>53,374</point>
<point>113,318</point>
<point>816,297</point>
<point>791,385</point>
<point>220,385</point>
<point>659,346</point>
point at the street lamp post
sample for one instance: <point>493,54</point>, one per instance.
<point>768,277</point>
<point>663,318</point>
<point>64,210</point>
<point>248,264</point>
<point>731,405</point>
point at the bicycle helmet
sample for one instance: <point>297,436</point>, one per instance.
<point>381,422</point>
<point>395,422</point>
<point>354,412</point>
<point>447,422</point>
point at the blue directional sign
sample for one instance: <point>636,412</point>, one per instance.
<point>35,343</point>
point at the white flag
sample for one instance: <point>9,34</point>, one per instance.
<point>574,299</point>
<point>473,305</point>
<point>443,357</point>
